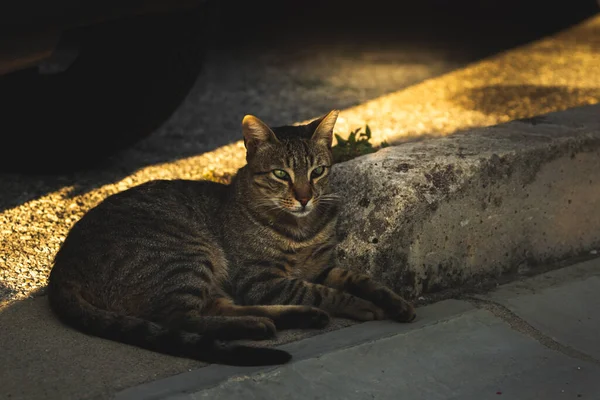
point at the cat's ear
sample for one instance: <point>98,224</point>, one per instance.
<point>324,131</point>
<point>256,133</point>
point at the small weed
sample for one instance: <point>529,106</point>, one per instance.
<point>357,144</point>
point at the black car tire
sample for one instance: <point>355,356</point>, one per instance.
<point>129,77</point>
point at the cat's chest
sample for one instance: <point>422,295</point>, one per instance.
<point>297,258</point>
<point>301,259</point>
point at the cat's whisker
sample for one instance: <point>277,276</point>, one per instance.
<point>269,205</point>
<point>330,196</point>
<point>328,199</point>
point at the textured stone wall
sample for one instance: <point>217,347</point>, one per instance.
<point>443,212</point>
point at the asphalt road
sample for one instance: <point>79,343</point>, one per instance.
<point>294,71</point>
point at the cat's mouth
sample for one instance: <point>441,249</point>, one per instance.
<point>297,210</point>
<point>301,212</point>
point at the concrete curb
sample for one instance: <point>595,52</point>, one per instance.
<point>444,212</point>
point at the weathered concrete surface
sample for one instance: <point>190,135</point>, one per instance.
<point>309,348</point>
<point>563,304</point>
<point>454,352</point>
<point>66,364</point>
<point>438,213</point>
<point>41,359</point>
<point>472,357</point>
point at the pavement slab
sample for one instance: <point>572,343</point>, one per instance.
<point>304,349</point>
<point>456,349</point>
<point>42,359</point>
<point>473,356</point>
<point>564,304</point>
<point>65,363</point>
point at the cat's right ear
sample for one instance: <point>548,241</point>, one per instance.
<point>324,132</point>
<point>256,133</point>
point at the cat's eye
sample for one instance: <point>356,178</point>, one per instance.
<point>317,172</point>
<point>281,174</point>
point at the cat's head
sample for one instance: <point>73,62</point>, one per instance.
<point>290,165</point>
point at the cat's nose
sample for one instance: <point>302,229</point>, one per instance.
<point>303,200</point>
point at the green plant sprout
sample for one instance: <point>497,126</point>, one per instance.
<point>357,144</point>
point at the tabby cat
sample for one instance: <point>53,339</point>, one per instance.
<point>184,267</point>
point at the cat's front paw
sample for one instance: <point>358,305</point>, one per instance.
<point>362,310</point>
<point>318,318</point>
<point>399,309</point>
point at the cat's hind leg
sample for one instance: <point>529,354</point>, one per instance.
<point>225,327</point>
<point>363,286</point>
<point>199,315</point>
<point>284,316</point>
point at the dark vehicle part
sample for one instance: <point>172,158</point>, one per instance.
<point>124,78</point>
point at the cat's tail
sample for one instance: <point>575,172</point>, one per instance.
<point>68,304</point>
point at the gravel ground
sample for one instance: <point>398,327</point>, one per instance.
<point>295,79</point>
<point>37,211</point>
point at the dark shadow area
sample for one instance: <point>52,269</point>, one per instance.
<point>37,345</point>
<point>509,99</point>
<point>288,62</point>
<point>587,36</point>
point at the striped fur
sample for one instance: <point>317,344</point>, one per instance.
<point>183,267</point>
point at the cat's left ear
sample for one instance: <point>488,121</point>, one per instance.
<point>324,132</point>
<point>256,133</point>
